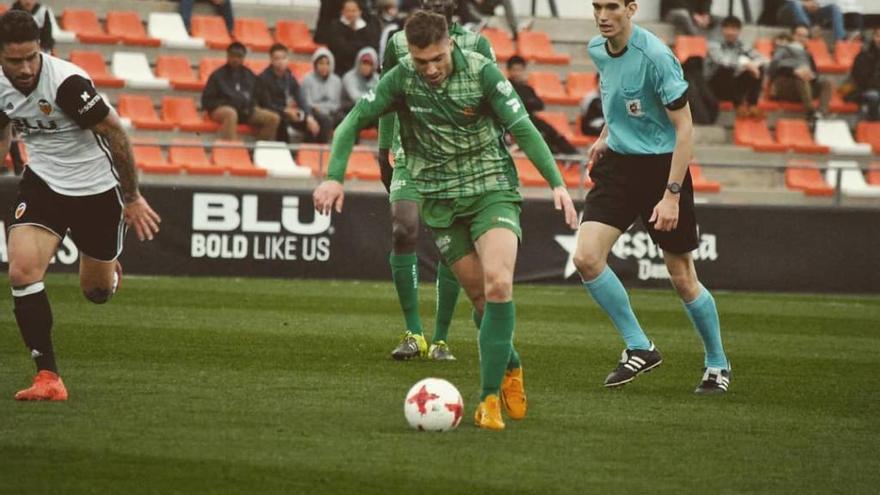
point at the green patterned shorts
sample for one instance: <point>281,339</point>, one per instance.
<point>402,187</point>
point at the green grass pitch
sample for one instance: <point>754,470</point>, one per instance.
<point>189,386</point>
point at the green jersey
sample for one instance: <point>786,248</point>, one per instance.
<point>451,133</point>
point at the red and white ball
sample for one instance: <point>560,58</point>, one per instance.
<point>433,404</point>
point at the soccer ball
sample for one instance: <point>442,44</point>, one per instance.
<point>433,404</point>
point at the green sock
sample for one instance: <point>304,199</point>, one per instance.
<point>405,273</point>
<point>496,333</point>
<point>447,297</point>
<point>514,362</point>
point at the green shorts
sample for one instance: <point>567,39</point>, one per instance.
<point>402,187</point>
<point>458,223</point>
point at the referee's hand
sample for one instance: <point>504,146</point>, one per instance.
<point>140,216</point>
<point>597,150</point>
<point>665,215</point>
<point>562,201</point>
<point>328,196</point>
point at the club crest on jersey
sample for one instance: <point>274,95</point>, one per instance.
<point>19,210</point>
<point>634,108</point>
<point>45,107</point>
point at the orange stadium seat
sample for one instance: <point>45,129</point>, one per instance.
<point>190,155</point>
<point>580,136</point>
<point>300,69</point>
<point>93,63</point>
<point>313,159</point>
<point>129,28</point>
<point>755,134</point>
<point>571,174</point>
<point>236,160</point>
<point>256,65</point>
<point>819,50</point>
<point>7,160</point>
<point>149,158</point>
<point>212,29</point>
<point>796,134</point>
<point>369,133</point>
<point>362,165</point>
<point>839,105</point>
<point>3,8</point>
<point>501,43</point>
<point>528,174</point>
<point>549,88</point>
<point>701,184</point>
<point>869,132</point>
<point>207,66</point>
<point>845,53</point>
<point>181,111</point>
<point>690,46</point>
<point>559,121</point>
<point>295,35</point>
<point>254,33</point>
<point>578,84</point>
<point>536,46</point>
<point>872,176</point>
<point>806,179</point>
<point>764,46</point>
<point>177,70</point>
<point>139,108</point>
<point>86,26</point>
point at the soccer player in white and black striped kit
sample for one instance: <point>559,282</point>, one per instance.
<point>80,181</point>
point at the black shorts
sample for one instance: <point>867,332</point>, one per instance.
<point>630,186</point>
<point>95,223</point>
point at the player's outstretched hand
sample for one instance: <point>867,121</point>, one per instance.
<point>665,214</point>
<point>141,217</point>
<point>597,150</point>
<point>562,201</point>
<point>328,196</point>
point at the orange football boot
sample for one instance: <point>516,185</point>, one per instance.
<point>513,394</point>
<point>47,386</point>
<point>488,414</point>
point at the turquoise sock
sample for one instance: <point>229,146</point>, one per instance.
<point>514,362</point>
<point>704,316</point>
<point>609,293</point>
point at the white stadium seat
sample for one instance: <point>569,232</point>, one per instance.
<point>168,27</point>
<point>134,68</point>
<point>852,182</point>
<point>836,135</point>
<point>60,35</point>
<point>274,156</point>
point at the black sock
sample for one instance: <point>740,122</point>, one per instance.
<point>34,317</point>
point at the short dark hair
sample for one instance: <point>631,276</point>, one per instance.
<point>236,46</point>
<point>732,21</point>
<point>426,28</point>
<point>18,26</point>
<point>278,47</point>
<point>798,26</point>
<point>514,60</point>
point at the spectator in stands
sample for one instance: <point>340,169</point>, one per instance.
<point>223,8</point>
<point>322,93</point>
<point>734,72</point>
<point>592,115</point>
<point>231,95</point>
<point>516,68</point>
<point>866,77</point>
<point>478,12</point>
<point>690,17</point>
<point>812,13</point>
<point>360,79</point>
<point>793,75</point>
<point>392,21</point>
<point>282,95</point>
<point>43,15</point>
<point>349,33</point>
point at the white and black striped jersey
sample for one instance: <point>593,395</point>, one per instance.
<point>55,121</point>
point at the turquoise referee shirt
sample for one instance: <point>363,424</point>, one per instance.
<point>637,86</point>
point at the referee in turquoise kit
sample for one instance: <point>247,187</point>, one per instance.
<point>640,169</point>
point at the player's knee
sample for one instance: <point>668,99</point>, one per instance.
<point>98,295</point>
<point>404,235</point>
<point>499,286</point>
<point>686,284</point>
<point>21,274</point>
<point>589,264</point>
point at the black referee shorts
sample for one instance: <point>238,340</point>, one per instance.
<point>95,222</point>
<point>629,186</point>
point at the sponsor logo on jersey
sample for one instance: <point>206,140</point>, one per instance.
<point>19,210</point>
<point>504,87</point>
<point>419,109</point>
<point>634,108</point>
<point>88,106</point>
<point>45,107</point>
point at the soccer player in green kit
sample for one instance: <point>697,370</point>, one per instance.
<point>454,106</point>
<point>405,200</point>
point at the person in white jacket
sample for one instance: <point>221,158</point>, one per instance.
<point>322,93</point>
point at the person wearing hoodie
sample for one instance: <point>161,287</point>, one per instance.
<point>349,34</point>
<point>231,96</point>
<point>44,16</point>
<point>361,79</point>
<point>793,74</point>
<point>322,93</point>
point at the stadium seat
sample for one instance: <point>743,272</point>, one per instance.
<point>536,46</point>
<point>873,174</point>
<point>528,174</point>
<point>149,158</point>
<point>869,132</point>
<point>764,46</point>
<point>755,134</point>
<point>212,29</point>
<point>819,50</point>
<point>836,135</point>
<point>275,158</point>
<point>234,157</point>
<point>129,28</point>
<point>256,65</point>
<point>838,105</point>
<point>571,174</point>
<point>191,155</point>
<point>362,165</point>
<point>313,159</point>
<point>181,111</point>
<point>701,184</point>
<point>549,88</point>
<point>852,182</point>
<point>690,46</point>
<point>300,69</point>
<point>134,68</point>
<point>559,121</point>
<point>84,23</point>
<point>578,84</point>
<point>501,43</point>
<point>254,33</point>
<point>795,134</point>
<point>179,73</point>
<point>801,177</point>
<point>207,66</point>
<point>169,28</point>
<point>370,133</point>
<point>845,53</point>
<point>93,63</point>
<point>580,136</point>
<point>295,35</point>
<point>139,108</point>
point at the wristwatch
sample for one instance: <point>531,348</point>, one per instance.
<point>674,187</point>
